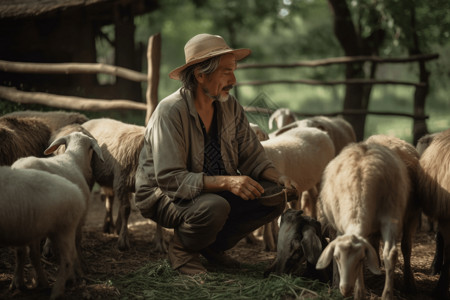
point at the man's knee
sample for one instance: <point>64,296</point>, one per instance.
<point>212,211</point>
<point>200,227</point>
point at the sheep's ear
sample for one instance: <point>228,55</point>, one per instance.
<point>326,256</point>
<point>312,247</point>
<point>55,145</point>
<point>97,149</point>
<point>372,259</point>
<point>272,119</point>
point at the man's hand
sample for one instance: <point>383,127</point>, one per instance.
<point>242,186</point>
<point>245,187</point>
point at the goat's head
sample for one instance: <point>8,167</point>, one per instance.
<point>349,253</point>
<point>299,240</point>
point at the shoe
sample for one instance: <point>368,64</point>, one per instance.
<point>184,261</point>
<point>276,194</point>
<point>219,258</point>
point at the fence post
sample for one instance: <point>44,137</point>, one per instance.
<point>154,61</point>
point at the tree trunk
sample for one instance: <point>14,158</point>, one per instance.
<point>346,34</point>
<point>420,94</point>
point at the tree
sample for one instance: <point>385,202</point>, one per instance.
<point>361,39</point>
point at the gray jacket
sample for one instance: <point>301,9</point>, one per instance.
<point>171,160</point>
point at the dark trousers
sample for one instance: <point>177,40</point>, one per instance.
<point>215,220</point>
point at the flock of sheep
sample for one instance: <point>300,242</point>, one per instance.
<point>353,195</point>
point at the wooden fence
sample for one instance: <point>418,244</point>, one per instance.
<point>418,116</point>
<point>152,79</point>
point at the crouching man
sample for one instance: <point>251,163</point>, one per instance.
<point>202,170</point>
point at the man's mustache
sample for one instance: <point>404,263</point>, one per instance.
<point>228,87</point>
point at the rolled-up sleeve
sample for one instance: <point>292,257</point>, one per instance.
<point>170,150</point>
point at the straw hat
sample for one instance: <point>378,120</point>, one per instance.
<point>204,46</point>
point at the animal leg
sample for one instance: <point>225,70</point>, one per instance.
<point>124,214</point>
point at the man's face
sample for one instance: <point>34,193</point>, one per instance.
<point>218,84</point>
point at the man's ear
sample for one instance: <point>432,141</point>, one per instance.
<point>199,76</point>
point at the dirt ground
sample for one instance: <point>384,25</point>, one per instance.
<point>105,261</point>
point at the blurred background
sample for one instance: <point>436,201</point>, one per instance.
<point>277,31</point>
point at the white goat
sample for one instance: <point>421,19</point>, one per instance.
<point>434,188</point>
<point>74,164</point>
<point>282,117</point>
<point>35,205</point>
<point>121,145</point>
<point>365,192</point>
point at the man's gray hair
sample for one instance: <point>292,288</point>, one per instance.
<point>187,76</point>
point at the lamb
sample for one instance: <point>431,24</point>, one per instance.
<point>121,144</point>
<point>302,154</point>
<point>365,192</point>
<point>74,164</point>
<point>282,117</point>
<point>434,189</point>
<point>36,204</point>
<point>300,238</point>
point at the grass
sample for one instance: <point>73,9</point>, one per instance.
<point>157,280</point>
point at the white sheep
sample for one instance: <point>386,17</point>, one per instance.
<point>340,131</point>
<point>410,157</point>
<point>434,188</point>
<point>74,164</point>
<point>121,144</point>
<point>302,154</point>
<point>282,117</point>
<point>365,192</point>
<point>35,205</point>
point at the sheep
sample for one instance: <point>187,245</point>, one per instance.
<point>434,189</point>
<point>53,119</point>
<point>340,131</point>
<point>260,133</point>
<point>74,164</point>
<point>121,144</point>
<point>26,133</point>
<point>302,154</point>
<point>36,204</point>
<point>300,238</point>
<point>365,192</point>
<point>282,117</point>
<point>410,157</point>
<point>20,138</point>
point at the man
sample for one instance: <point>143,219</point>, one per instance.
<point>201,162</point>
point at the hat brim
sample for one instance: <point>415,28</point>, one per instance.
<point>238,53</point>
